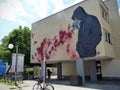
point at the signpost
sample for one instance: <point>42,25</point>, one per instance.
<point>11,46</point>
<point>17,62</point>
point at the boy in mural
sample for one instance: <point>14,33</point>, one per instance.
<point>89,32</point>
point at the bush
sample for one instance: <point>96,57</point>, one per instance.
<point>29,71</point>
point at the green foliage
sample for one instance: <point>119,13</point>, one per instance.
<point>29,69</point>
<point>20,37</point>
<point>4,56</point>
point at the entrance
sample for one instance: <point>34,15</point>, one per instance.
<point>95,70</point>
<point>98,70</point>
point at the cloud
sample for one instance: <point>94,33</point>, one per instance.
<point>11,9</point>
<point>77,1</point>
<point>42,8</point>
<point>57,5</point>
<point>21,22</point>
<point>39,7</point>
<point>63,4</point>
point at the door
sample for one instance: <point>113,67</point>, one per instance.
<point>99,71</point>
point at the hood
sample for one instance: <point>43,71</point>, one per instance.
<point>79,13</point>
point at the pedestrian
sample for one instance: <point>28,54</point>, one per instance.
<point>49,73</point>
<point>89,32</point>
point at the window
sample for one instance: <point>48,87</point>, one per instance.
<point>105,14</point>
<point>107,37</point>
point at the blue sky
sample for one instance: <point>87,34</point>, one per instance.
<point>25,12</point>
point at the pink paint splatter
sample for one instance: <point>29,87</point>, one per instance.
<point>51,45</point>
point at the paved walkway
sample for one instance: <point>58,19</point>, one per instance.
<point>3,87</point>
<point>64,85</point>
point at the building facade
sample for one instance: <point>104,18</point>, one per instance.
<point>54,34</point>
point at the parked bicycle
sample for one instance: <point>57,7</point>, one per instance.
<point>41,85</point>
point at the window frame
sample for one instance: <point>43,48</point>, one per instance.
<point>105,14</point>
<point>107,37</point>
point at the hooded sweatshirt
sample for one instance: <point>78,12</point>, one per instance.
<point>89,34</point>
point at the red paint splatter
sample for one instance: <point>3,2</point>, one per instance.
<point>56,42</point>
<point>68,48</point>
<point>41,49</point>
<point>51,45</point>
<point>97,53</point>
<point>73,56</point>
<point>49,42</point>
<point>49,52</point>
<point>62,34</point>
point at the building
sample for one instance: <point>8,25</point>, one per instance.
<point>48,33</point>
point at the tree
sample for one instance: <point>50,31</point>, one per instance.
<point>20,37</point>
<point>5,55</point>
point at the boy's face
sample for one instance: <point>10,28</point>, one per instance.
<point>76,24</point>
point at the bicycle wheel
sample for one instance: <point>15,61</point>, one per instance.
<point>49,86</point>
<point>37,87</point>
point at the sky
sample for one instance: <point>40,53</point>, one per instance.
<point>14,13</point>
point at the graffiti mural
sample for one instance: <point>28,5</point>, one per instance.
<point>62,39</point>
<point>89,32</point>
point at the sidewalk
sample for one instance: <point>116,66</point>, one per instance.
<point>3,87</point>
<point>61,85</point>
<point>27,85</point>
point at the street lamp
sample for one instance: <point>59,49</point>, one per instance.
<point>11,46</point>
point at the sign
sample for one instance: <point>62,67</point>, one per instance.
<point>20,62</point>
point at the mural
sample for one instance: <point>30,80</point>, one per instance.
<point>61,42</point>
<point>52,44</point>
<point>89,32</point>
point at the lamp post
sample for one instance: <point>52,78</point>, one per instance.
<point>11,46</point>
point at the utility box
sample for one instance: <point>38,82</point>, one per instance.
<point>2,68</point>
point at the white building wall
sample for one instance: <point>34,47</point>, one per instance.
<point>87,68</point>
<point>68,68</point>
<point>110,68</point>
